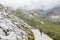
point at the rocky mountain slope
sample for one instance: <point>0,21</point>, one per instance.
<point>54,14</point>
<point>13,28</point>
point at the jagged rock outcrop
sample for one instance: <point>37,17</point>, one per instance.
<point>13,28</point>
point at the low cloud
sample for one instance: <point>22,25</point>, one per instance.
<point>31,4</point>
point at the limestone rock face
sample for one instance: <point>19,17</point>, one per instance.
<point>12,28</point>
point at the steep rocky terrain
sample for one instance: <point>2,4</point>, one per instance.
<point>13,28</point>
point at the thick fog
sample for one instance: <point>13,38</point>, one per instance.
<point>31,4</point>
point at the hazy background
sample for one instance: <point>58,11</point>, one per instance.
<point>31,4</point>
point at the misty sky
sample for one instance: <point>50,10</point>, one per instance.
<point>31,4</point>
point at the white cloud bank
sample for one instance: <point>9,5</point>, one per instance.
<point>31,4</point>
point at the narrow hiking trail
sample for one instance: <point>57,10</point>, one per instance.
<point>38,35</point>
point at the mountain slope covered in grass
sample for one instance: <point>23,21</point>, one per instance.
<point>43,19</point>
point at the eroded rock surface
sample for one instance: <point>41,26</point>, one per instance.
<point>12,28</point>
